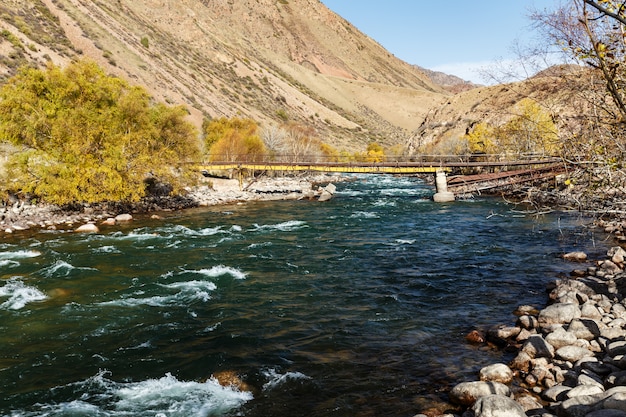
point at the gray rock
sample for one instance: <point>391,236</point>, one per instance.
<point>527,322</point>
<point>606,413</point>
<point>589,310</point>
<point>556,393</point>
<point>561,313</point>
<point>573,353</point>
<point>617,348</point>
<point>611,333</point>
<point>560,337</point>
<point>498,372</point>
<point>537,347</point>
<point>123,217</point>
<point>578,406</point>
<point>610,267</point>
<point>530,404</point>
<point>497,406</point>
<point>582,390</point>
<point>466,393</point>
<point>586,329</point>
<point>617,254</point>
<point>506,332</point>
<point>575,256</point>
<point>521,362</point>
<point>87,228</point>
<point>617,401</point>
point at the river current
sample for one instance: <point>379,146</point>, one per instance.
<point>354,307</point>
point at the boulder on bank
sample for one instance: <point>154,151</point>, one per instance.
<point>497,406</point>
<point>87,228</point>
<point>561,313</point>
<point>327,192</point>
<point>466,393</point>
<point>497,372</point>
<point>123,217</point>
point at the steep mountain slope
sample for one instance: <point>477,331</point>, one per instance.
<point>272,60</point>
<point>557,90</point>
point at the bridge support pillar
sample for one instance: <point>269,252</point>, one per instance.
<point>441,184</point>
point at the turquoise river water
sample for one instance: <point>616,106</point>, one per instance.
<point>354,307</point>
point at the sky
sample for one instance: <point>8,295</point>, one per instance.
<point>458,37</point>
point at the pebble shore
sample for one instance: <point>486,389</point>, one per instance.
<point>571,357</point>
<point>21,216</point>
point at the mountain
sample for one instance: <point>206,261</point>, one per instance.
<point>451,83</point>
<point>271,60</point>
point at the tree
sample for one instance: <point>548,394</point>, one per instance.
<point>88,137</point>
<point>532,130</point>
<point>274,139</point>
<point>591,34</point>
<point>374,153</point>
<point>481,139</point>
<point>234,140</point>
<point>301,143</point>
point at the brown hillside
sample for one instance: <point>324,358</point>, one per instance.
<point>557,90</point>
<point>267,59</point>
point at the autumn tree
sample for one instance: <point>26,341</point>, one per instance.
<point>481,139</point>
<point>234,140</point>
<point>84,136</point>
<point>374,153</point>
<point>531,130</point>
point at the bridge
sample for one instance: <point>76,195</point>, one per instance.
<point>453,173</point>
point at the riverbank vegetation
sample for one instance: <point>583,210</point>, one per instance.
<point>243,140</point>
<point>80,136</point>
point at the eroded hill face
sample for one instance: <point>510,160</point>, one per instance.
<point>272,60</point>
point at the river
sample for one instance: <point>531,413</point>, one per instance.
<point>354,307</point>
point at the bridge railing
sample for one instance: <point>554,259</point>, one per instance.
<point>467,160</point>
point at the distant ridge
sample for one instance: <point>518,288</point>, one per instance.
<point>450,82</point>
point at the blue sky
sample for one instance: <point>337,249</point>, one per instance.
<point>456,36</point>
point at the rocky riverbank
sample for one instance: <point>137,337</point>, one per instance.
<point>571,357</point>
<point>20,215</point>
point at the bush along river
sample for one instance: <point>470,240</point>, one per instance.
<point>358,306</point>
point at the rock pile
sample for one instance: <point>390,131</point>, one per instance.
<point>571,360</point>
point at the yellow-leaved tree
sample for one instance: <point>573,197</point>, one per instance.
<point>233,140</point>
<point>480,139</point>
<point>532,130</point>
<point>375,153</point>
<point>84,136</point>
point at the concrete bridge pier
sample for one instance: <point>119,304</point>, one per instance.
<point>441,184</point>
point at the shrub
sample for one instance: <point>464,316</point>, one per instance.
<point>88,137</point>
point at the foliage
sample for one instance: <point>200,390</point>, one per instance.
<point>532,130</point>
<point>481,139</point>
<point>374,153</point>
<point>329,153</point>
<point>234,140</point>
<point>88,137</point>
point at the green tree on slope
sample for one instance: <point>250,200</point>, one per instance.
<point>87,137</point>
